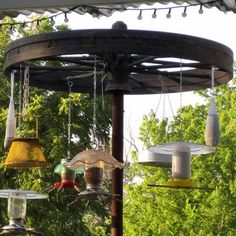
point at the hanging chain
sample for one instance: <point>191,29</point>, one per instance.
<point>20,99</point>
<point>102,80</point>
<point>181,99</point>
<point>70,84</point>
<point>94,99</point>
<point>26,91</point>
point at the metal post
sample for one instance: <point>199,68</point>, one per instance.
<point>117,174</point>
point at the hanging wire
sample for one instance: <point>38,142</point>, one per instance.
<point>159,102</point>
<point>99,11</point>
<point>171,107</point>
<point>163,108</point>
<point>164,93</point>
<point>70,84</point>
<point>20,99</point>
<point>26,91</point>
<point>94,100</point>
<point>36,126</point>
<point>181,98</point>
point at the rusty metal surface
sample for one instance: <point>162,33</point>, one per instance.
<point>117,174</point>
<point>152,60</point>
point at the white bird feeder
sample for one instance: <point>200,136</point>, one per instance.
<point>212,131</point>
<point>155,159</point>
<point>181,161</point>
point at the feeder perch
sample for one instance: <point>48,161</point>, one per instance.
<point>94,163</point>
<point>212,131</point>
<point>25,153</point>
<point>181,162</point>
<point>17,202</point>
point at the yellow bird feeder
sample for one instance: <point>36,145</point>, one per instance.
<point>25,153</point>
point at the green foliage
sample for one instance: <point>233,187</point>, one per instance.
<point>160,211</point>
<point>53,216</point>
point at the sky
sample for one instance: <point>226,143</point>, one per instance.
<point>212,24</point>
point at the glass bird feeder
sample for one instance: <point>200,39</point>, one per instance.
<point>17,202</point>
<point>181,162</point>
<point>94,163</point>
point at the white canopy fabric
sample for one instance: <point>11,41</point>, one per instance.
<point>96,8</point>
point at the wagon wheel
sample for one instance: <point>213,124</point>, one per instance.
<point>133,61</point>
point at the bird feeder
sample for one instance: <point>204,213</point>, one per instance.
<point>17,202</point>
<point>11,121</point>
<point>181,162</point>
<point>94,163</point>
<point>155,159</point>
<point>212,131</point>
<point>67,177</point>
<point>25,153</point>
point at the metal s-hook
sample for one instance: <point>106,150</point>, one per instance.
<point>69,83</point>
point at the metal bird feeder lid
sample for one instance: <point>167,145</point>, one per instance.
<point>195,148</point>
<point>5,193</point>
<point>91,158</point>
<point>25,153</point>
<point>133,61</point>
<point>155,159</point>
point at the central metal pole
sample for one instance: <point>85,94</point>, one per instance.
<point>117,174</point>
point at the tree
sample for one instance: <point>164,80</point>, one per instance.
<point>53,216</point>
<point>160,211</point>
